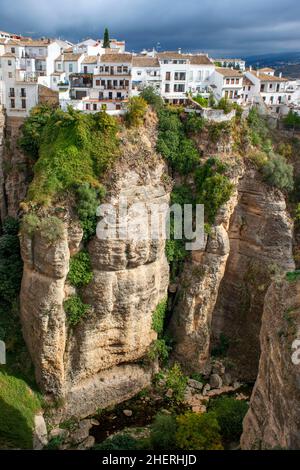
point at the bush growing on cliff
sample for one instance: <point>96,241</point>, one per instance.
<point>30,223</point>
<point>32,129</point>
<point>159,350</point>
<point>80,273</point>
<point>75,309</point>
<point>75,149</point>
<point>51,229</point>
<point>194,123</point>
<point>158,317</point>
<point>198,432</point>
<point>177,381</point>
<point>136,111</point>
<point>88,200</point>
<point>213,187</point>
<point>225,105</point>
<point>151,96</point>
<point>277,172</point>
<point>230,414</point>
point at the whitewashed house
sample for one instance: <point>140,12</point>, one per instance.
<point>145,72</point>
<point>238,64</point>
<point>269,88</point>
<point>227,83</point>
<point>182,74</point>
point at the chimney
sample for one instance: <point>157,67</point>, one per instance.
<point>250,68</point>
<point>62,54</point>
<point>98,59</point>
<point>179,50</point>
<point>258,73</point>
<point>280,75</point>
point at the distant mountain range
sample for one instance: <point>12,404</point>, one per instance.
<point>286,62</point>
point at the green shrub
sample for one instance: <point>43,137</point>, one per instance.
<point>225,105</point>
<point>118,442</point>
<point>163,432</point>
<point>292,120</point>
<point>75,148</point>
<point>201,100</point>
<point>80,272</point>
<point>293,276</point>
<point>136,111</point>
<point>151,96</point>
<point>159,350</point>
<point>31,131</point>
<point>158,317</point>
<point>30,224</point>
<point>75,309</point>
<point>198,432</point>
<point>230,414</point>
<point>177,381</point>
<point>194,123</point>
<point>54,443</point>
<point>88,200</point>
<point>51,228</point>
<point>277,172</point>
<point>219,130</point>
<point>213,187</point>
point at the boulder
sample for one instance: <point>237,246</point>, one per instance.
<point>88,443</point>
<point>40,435</point>
<point>215,381</point>
<point>195,384</point>
<point>127,413</point>
<point>206,389</point>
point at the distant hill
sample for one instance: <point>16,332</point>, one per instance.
<point>286,62</point>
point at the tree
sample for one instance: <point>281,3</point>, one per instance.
<point>292,121</point>
<point>198,432</point>
<point>106,41</point>
<point>152,97</point>
<point>136,111</point>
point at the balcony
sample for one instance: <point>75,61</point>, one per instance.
<point>81,80</point>
<point>111,87</point>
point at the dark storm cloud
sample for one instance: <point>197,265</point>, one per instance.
<point>217,26</point>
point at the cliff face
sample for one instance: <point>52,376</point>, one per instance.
<point>15,168</point>
<point>273,420</point>
<point>199,285</point>
<point>223,288</point>
<point>98,362</point>
<point>261,239</point>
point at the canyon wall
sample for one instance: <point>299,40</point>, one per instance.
<point>15,167</point>
<point>99,362</point>
<point>273,420</point>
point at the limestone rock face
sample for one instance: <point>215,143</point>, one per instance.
<point>200,281</point>
<point>15,168</point>
<point>98,362</point>
<point>261,239</point>
<point>273,419</point>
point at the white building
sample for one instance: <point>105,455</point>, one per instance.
<point>145,72</point>
<point>182,74</point>
<point>238,64</point>
<point>269,88</point>
<point>227,83</point>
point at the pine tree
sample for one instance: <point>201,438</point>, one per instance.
<point>106,43</point>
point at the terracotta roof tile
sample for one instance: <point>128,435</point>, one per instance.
<point>227,72</point>
<point>143,61</point>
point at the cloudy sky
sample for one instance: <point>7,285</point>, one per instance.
<point>240,27</point>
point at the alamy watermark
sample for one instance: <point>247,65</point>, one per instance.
<point>141,221</point>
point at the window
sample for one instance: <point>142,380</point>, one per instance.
<point>125,69</point>
<point>167,88</point>
<point>279,99</point>
<point>271,86</point>
<point>9,62</point>
<point>232,81</point>
<point>70,67</point>
<point>179,88</point>
<point>168,76</point>
<point>87,106</point>
<point>227,81</point>
<point>59,66</point>
<point>139,73</point>
<point>237,81</point>
<point>23,103</point>
<point>278,87</point>
<point>12,103</point>
<point>12,92</point>
<point>13,50</point>
<point>289,97</point>
<point>94,107</point>
<point>85,69</point>
<point>10,75</point>
<point>179,76</point>
<point>262,87</point>
<point>119,69</point>
<point>98,82</point>
<point>115,83</point>
<point>23,92</point>
<point>249,88</point>
<point>119,95</point>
